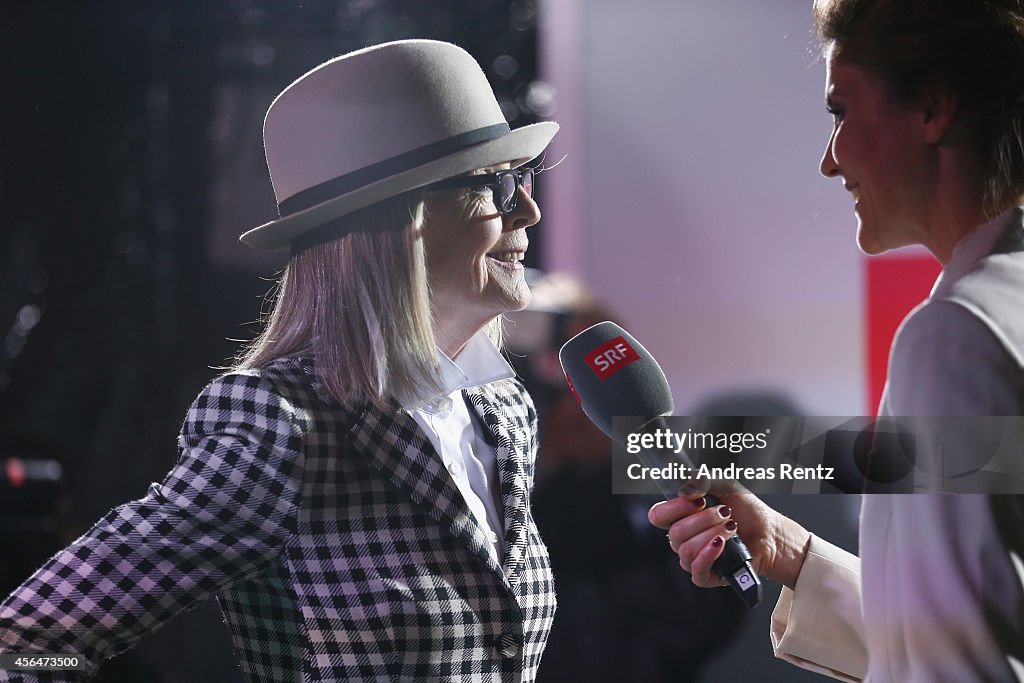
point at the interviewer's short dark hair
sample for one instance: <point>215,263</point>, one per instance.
<point>973,47</point>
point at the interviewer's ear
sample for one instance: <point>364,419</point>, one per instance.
<point>939,111</point>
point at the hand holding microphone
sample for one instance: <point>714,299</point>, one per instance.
<point>776,543</point>
<point>611,375</point>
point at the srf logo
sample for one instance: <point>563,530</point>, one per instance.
<point>610,357</point>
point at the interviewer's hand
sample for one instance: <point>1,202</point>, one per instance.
<point>698,534</point>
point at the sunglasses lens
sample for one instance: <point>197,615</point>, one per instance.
<point>527,181</point>
<point>507,192</point>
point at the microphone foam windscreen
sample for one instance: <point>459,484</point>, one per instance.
<point>612,375</point>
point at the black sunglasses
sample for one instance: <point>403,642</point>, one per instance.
<point>504,184</point>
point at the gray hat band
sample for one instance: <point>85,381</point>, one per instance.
<point>349,182</point>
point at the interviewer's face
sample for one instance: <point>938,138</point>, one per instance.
<point>474,254</point>
<point>876,149</point>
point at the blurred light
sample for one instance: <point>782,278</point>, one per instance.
<point>505,66</point>
<point>51,469</point>
<point>15,472</point>
<point>350,13</point>
<point>15,343</point>
<point>522,15</point>
<point>28,317</point>
<point>540,98</point>
<point>263,55</point>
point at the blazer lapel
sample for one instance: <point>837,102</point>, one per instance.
<point>402,452</point>
<point>511,452</point>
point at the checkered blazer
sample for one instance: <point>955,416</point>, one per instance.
<point>337,544</point>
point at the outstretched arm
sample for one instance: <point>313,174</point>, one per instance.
<point>220,516</point>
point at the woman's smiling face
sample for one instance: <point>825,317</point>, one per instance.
<point>474,254</point>
<point>877,150</point>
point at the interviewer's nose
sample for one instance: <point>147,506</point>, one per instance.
<point>828,166</point>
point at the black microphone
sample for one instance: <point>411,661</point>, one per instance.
<point>612,375</point>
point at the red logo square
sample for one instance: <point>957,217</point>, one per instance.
<point>611,357</point>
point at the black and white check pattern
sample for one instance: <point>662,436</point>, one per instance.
<point>337,544</point>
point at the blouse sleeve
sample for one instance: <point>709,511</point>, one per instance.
<point>219,516</point>
<point>818,626</point>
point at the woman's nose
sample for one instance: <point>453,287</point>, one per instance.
<point>828,167</point>
<point>526,213</point>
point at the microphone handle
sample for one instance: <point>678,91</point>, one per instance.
<point>736,566</point>
<point>735,563</point>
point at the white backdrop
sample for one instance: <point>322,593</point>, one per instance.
<point>690,201</point>
<point>690,198</point>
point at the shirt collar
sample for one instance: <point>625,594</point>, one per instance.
<point>973,247</point>
<point>478,363</point>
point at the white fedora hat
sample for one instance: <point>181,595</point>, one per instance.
<point>378,122</point>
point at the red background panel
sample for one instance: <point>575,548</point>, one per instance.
<point>895,284</point>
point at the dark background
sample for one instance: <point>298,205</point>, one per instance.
<point>130,160</point>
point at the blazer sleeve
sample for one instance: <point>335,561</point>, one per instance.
<point>818,626</point>
<point>219,516</point>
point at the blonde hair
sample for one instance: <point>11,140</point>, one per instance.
<point>359,305</point>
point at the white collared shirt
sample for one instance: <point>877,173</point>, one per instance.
<point>468,457</point>
<point>974,246</point>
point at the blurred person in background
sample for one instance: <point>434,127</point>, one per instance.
<point>354,492</point>
<point>927,98</point>
<point>625,611</point>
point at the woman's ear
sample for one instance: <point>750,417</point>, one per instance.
<point>939,111</point>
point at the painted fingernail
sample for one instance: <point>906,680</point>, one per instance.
<point>717,541</point>
<point>725,511</point>
<point>699,503</point>
<point>688,489</point>
<point>731,525</point>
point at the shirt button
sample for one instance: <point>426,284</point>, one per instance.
<point>455,467</point>
<point>493,536</point>
<point>508,645</point>
<point>501,452</point>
